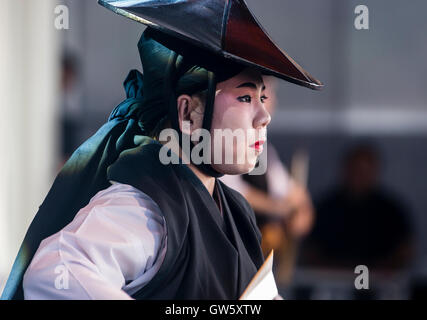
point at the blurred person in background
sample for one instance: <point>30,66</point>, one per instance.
<point>359,222</point>
<point>282,205</point>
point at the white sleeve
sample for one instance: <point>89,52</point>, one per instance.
<point>112,248</point>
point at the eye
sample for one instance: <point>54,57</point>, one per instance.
<point>246,99</point>
<point>263,98</point>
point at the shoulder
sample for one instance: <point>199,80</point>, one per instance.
<point>119,193</point>
<point>123,199</point>
<point>119,213</point>
<point>120,236</point>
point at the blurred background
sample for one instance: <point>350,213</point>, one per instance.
<point>364,137</point>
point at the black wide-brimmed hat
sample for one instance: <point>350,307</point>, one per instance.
<point>226,28</point>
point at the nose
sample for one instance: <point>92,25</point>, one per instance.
<point>262,117</point>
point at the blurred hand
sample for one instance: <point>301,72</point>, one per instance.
<point>297,211</point>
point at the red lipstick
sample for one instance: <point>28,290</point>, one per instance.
<point>258,145</point>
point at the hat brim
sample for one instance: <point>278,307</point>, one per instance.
<point>229,30</point>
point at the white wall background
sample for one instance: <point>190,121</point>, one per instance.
<point>28,97</point>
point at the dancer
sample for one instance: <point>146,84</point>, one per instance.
<point>118,223</point>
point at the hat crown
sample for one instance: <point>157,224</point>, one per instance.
<point>224,27</point>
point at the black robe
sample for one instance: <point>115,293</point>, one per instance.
<point>206,258</point>
<point>85,174</point>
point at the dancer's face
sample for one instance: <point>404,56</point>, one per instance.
<point>240,108</point>
<point>239,121</point>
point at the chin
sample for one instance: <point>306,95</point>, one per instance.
<point>233,169</point>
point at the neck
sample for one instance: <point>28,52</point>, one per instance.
<point>208,181</point>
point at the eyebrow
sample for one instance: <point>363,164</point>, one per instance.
<point>249,85</point>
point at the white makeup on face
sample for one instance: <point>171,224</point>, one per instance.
<point>239,106</point>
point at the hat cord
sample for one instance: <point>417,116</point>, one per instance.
<point>170,96</point>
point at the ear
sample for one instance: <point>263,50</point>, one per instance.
<point>190,113</point>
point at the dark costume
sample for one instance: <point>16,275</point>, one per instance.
<point>177,58</point>
<point>198,237</point>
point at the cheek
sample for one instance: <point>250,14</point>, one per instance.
<point>231,114</point>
